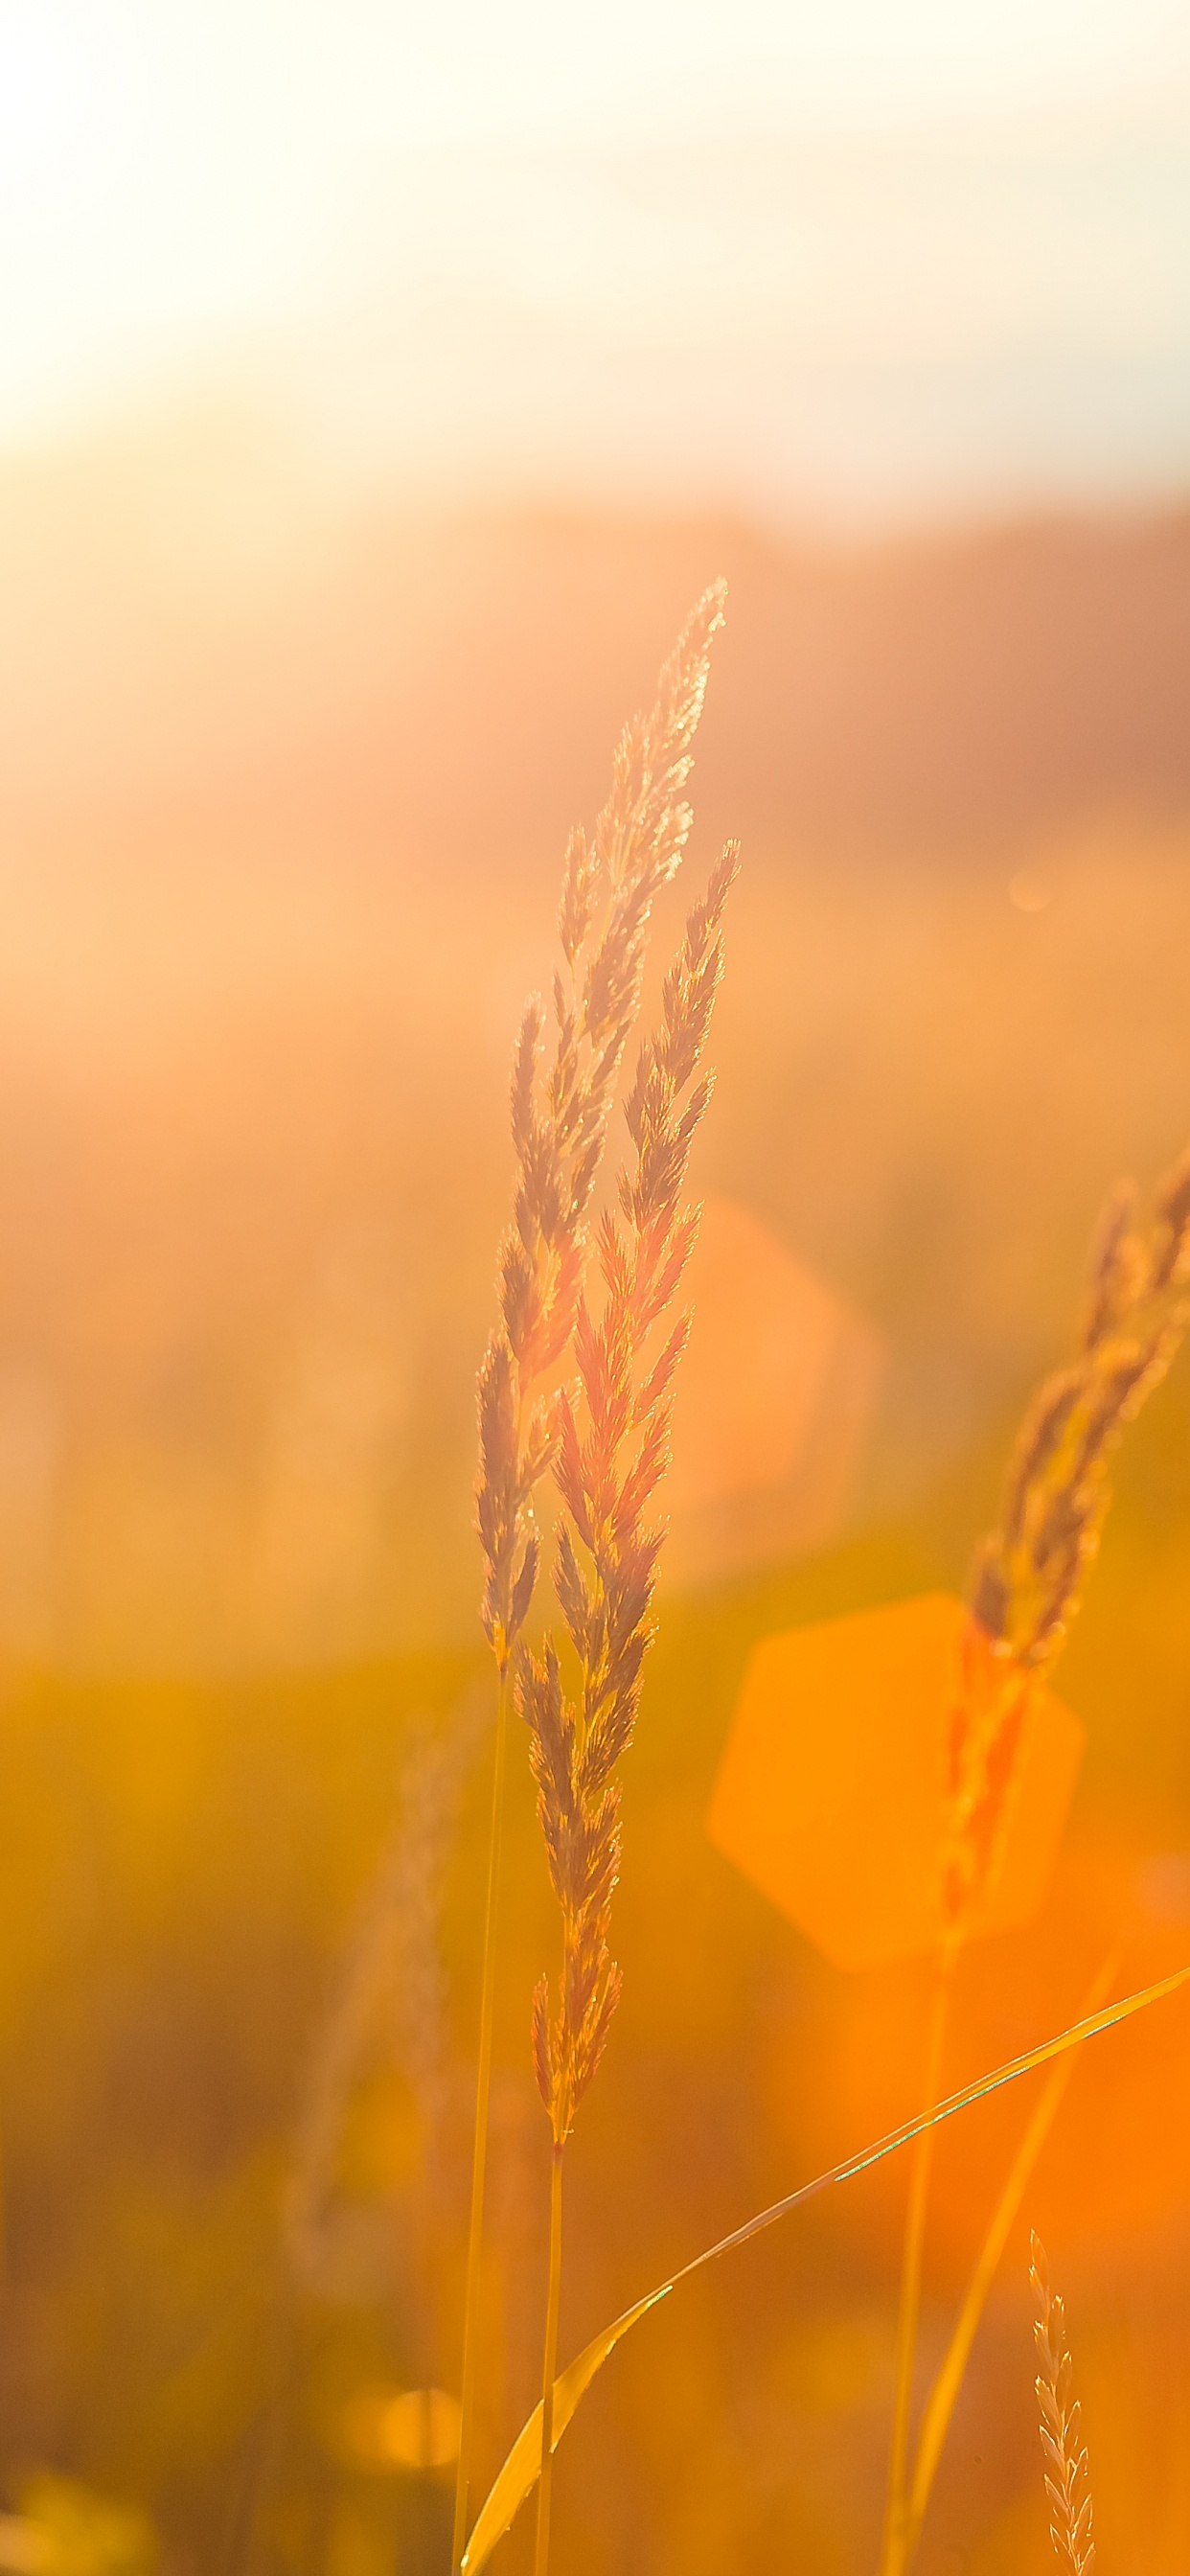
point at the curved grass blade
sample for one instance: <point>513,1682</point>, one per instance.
<point>519,2474</point>
<point>520,2471</point>
<point>941,2402</point>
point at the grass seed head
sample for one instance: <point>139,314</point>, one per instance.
<point>611,1455</point>
<point>561,1095</point>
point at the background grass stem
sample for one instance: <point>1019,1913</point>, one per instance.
<point>483,2087</point>
<point>894,2554</point>
<point>541,2557</point>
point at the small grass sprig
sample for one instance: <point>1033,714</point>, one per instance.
<point>611,1454</point>
<point>1067,2478</point>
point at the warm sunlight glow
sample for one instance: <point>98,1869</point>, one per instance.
<point>594,914</point>
<point>432,237</point>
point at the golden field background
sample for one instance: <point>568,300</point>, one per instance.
<point>284,798</point>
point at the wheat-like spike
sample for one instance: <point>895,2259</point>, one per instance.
<point>1029,1572</point>
<point>1067,2478</point>
<point>607,1468</point>
<point>612,1453</point>
<point>561,1099</point>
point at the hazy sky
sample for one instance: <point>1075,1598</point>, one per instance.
<point>868,258</point>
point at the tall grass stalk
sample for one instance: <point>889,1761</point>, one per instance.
<point>561,1099</point>
<point>612,1452</point>
<point>1026,1586</point>
<point>897,2528</point>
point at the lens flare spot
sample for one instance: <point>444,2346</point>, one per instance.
<point>410,2428</point>
<point>774,1404</point>
<point>831,1795</point>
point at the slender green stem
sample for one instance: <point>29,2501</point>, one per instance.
<point>541,2556</point>
<point>483,2087</point>
<point>893,2556</point>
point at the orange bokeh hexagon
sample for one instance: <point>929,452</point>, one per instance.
<point>774,1403</point>
<point>831,1791</point>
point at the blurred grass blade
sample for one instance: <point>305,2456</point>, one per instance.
<point>941,2401</point>
<point>519,2473</point>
